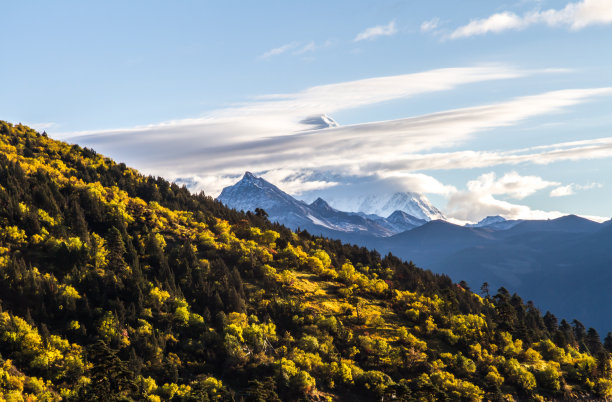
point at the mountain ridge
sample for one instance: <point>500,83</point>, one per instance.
<point>319,217</point>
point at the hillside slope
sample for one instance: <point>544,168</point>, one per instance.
<point>116,286</point>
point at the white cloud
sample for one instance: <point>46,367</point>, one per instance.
<point>495,23</point>
<point>312,47</point>
<point>469,206</point>
<point>479,201</point>
<point>268,135</point>
<point>570,189</point>
<point>296,48</point>
<point>295,181</point>
<point>197,183</point>
<point>282,113</point>
<point>390,145</point>
<point>562,191</point>
<point>511,184</point>
<point>416,182</point>
<point>307,48</point>
<point>430,25</point>
<point>567,151</point>
<point>375,32</point>
<point>279,50</point>
<point>575,16</point>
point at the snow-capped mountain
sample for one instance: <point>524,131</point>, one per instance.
<point>318,217</point>
<point>495,222</point>
<point>413,204</point>
<point>254,192</point>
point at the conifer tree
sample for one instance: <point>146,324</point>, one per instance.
<point>608,342</point>
<point>116,250</point>
<point>78,222</point>
<point>111,379</point>
<point>593,342</point>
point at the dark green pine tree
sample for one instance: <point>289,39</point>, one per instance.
<point>593,342</point>
<point>116,250</point>
<point>506,315</point>
<point>550,321</point>
<point>608,342</point>
<point>580,335</point>
<point>484,290</point>
<point>31,223</point>
<point>111,379</point>
<point>77,221</point>
<point>262,391</point>
<point>566,335</point>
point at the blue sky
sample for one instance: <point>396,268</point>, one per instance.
<point>486,107</point>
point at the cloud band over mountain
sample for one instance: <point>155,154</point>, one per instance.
<point>274,134</point>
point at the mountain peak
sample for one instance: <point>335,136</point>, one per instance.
<point>494,222</point>
<point>492,219</point>
<point>319,201</point>
<point>405,219</point>
<point>321,205</point>
<point>397,213</point>
<point>250,180</point>
<point>572,217</point>
<point>249,176</point>
<point>254,192</point>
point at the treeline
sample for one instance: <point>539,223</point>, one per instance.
<point>118,286</point>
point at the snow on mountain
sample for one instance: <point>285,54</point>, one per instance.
<point>495,222</point>
<point>491,220</point>
<point>397,222</point>
<point>323,207</point>
<point>411,203</point>
<point>253,192</point>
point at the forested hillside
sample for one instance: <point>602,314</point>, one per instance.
<point>117,286</point>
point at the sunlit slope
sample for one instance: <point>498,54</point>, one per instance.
<point>117,286</point>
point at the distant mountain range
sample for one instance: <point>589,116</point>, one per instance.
<point>563,264</point>
<point>318,217</point>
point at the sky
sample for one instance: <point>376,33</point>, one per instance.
<point>487,108</point>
